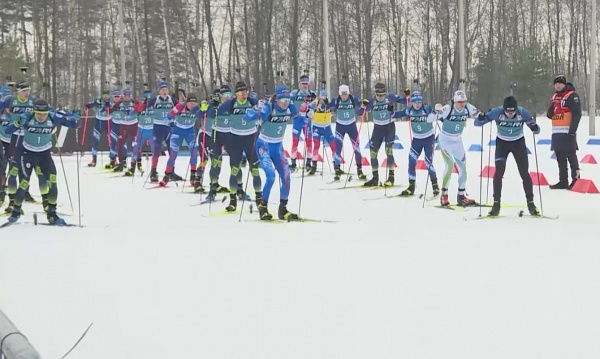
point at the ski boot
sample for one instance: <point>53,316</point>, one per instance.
<point>11,205</point>
<point>373,182</point>
<point>532,208</point>
<point>165,180</point>
<point>131,171</point>
<point>283,212</point>
<point>212,194</point>
<point>293,165</point>
<point>338,174</point>
<point>495,211</point>
<point>444,201</point>
<point>45,203</point>
<point>464,201</point>
<point>312,170</point>
<point>258,198</point>
<point>390,180</point>
<point>111,164</point>
<point>53,218</point>
<point>15,214</point>
<point>139,165</point>
<point>244,162</point>
<point>242,196</point>
<point>28,198</point>
<point>153,176</point>
<point>360,174</point>
<point>232,203</point>
<point>221,189</point>
<point>435,187</point>
<point>307,164</point>
<point>2,196</point>
<point>263,211</point>
<point>198,187</point>
<point>410,190</point>
<point>174,176</point>
<point>120,167</point>
<point>94,160</point>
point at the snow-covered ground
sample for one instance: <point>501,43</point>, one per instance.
<point>160,278</point>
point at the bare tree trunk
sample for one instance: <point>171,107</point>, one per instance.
<point>294,36</point>
<point>149,47</point>
<point>54,19</point>
<point>163,9</point>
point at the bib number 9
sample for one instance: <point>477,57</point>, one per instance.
<point>419,128</point>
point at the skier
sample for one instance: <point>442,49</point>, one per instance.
<point>113,126</point>
<point>301,123</point>
<point>454,119</point>
<point>565,112</point>
<point>4,144</point>
<point>145,118</point>
<point>220,137</point>
<point>421,119</point>
<point>207,114</point>
<point>123,115</point>
<point>384,131</point>
<point>160,106</point>
<point>101,107</point>
<point>510,119</point>
<point>36,151</point>
<point>269,148</point>
<point>319,115</point>
<point>203,141</point>
<point>182,120</point>
<point>242,139</point>
<point>345,108</point>
<point>14,107</point>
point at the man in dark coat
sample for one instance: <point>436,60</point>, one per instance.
<point>565,112</point>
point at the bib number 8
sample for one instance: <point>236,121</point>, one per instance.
<point>457,128</point>
<point>418,127</point>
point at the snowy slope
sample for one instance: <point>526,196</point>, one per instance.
<point>161,278</point>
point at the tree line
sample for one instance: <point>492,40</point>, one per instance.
<point>72,47</point>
